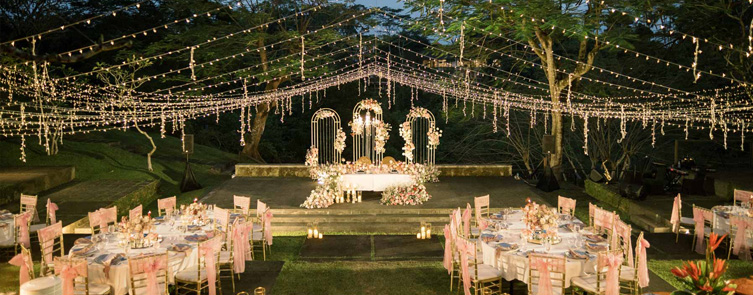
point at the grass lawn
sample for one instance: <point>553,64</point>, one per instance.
<point>736,269</point>
<point>122,155</point>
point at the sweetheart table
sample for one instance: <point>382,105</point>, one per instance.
<point>376,182</point>
<point>513,264</point>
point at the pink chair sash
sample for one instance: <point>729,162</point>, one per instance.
<point>22,222</point>
<point>47,237</point>
<point>268,227</point>
<point>31,205</point>
<point>454,225</point>
<point>566,205</point>
<point>675,219</point>
<point>699,217</point>
<point>68,272</point>
<point>51,208</point>
<point>545,281</point>
<point>447,261</point>
<point>604,218</point>
<point>136,213</point>
<point>209,251</point>
<point>102,217</point>
<point>24,262</point>
<point>464,248</point>
<point>622,230</point>
<point>467,221</point>
<point>743,196</point>
<point>151,267</point>
<point>260,208</point>
<point>741,242</point>
<point>640,250</point>
<point>167,204</point>
<point>613,262</point>
<point>240,245</point>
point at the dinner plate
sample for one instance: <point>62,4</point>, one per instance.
<point>196,238</point>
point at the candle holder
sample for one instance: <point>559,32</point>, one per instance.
<point>260,291</point>
<point>359,196</point>
<point>424,232</point>
<point>312,231</point>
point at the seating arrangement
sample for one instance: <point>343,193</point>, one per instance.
<point>166,206</point>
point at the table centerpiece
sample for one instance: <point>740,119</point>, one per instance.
<point>541,223</point>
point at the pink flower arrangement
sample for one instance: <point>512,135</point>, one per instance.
<point>405,195</point>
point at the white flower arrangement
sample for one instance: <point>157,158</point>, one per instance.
<point>382,136</point>
<point>414,194</point>
<point>340,140</point>
<point>434,134</point>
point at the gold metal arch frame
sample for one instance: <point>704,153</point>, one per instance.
<point>421,122</point>
<point>365,114</point>
<point>325,126</point>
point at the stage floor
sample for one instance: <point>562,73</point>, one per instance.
<point>449,192</point>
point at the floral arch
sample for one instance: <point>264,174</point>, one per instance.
<point>369,131</point>
<point>327,138</point>
<point>421,136</point>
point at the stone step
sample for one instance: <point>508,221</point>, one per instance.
<point>372,227</point>
<point>652,223</point>
<point>372,212</point>
<point>278,219</point>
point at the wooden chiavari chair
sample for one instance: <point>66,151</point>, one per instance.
<point>96,222</point>
<point>29,203</point>
<point>708,223</point>
<point>629,275</point>
<point>227,256</point>
<point>195,279</point>
<point>566,205</point>
<point>741,196</point>
<point>166,205</point>
<point>50,243</point>
<point>139,266</point>
<point>242,205</point>
<point>481,208</point>
<point>596,282</point>
<point>555,265</point>
<point>81,283</point>
<point>136,213</point>
<point>482,276</point>
<point>10,242</point>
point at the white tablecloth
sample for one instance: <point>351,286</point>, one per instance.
<point>118,276</point>
<point>514,264</point>
<point>375,182</point>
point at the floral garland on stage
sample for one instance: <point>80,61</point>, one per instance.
<point>312,159</point>
<point>407,135</point>
<point>381,136</point>
<point>328,188</point>
<point>414,194</point>
<point>434,134</point>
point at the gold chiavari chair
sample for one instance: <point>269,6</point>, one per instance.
<point>139,266</point>
<point>482,276</point>
<point>556,265</point>
<point>29,203</point>
<point>591,212</point>
<point>595,283</point>
<point>81,283</point>
<point>629,275</point>
<point>221,219</point>
<point>166,205</point>
<point>481,208</point>
<point>194,279</point>
<point>95,222</point>
<point>708,223</point>
<point>9,243</point>
<point>242,205</point>
<point>136,212</point>
<point>226,258</point>
<point>50,243</point>
<point>26,257</point>
<point>259,242</point>
<point>566,205</point>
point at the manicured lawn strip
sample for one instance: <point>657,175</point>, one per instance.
<point>736,269</point>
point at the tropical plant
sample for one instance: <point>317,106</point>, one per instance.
<point>704,277</point>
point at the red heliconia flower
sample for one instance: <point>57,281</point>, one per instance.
<point>706,287</point>
<point>680,273</point>
<point>715,240</point>
<point>728,289</point>
<point>693,271</point>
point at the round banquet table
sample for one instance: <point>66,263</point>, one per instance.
<point>721,218</point>
<point>118,276</point>
<point>514,264</point>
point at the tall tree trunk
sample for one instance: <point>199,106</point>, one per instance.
<point>251,149</point>
<point>154,147</point>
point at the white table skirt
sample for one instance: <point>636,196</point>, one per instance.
<point>514,264</point>
<point>376,182</point>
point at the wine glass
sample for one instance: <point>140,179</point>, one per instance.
<point>547,244</point>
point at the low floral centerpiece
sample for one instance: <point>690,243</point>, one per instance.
<point>541,222</point>
<point>414,194</point>
<point>137,231</point>
<point>704,277</point>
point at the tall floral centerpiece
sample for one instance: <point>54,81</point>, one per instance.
<point>381,136</point>
<point>407,135</point>
<point>704,277</point>
<point>340,140</point>
<point>540,221</point>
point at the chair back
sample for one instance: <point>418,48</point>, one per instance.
<point>742,197</point>
<point>99,220</point>
<point>21,224</point>
<point>602,266</point>
<point>166,205</point>
<point>136,213</point>
<point>261,208</point>
<point>24,258</point>
<point>29,203</point>
<point>741,231</point>
<point>221,219</point>
<point>51,243</point>
<point>591,212</point>
<point>566,205</point>
<point>555,266</point>
<point>481,206</point>
<point>80,269</point>
<point>604,220</point>
<point>140,267</point>
<point>621,239</point>
<point>241,204</point>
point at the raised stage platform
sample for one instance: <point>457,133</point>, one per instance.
<point>285,194</point>
<point>300,170</point>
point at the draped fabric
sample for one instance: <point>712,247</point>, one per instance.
<point>22,223</point>
<point>261,207</point>
<point>268,226</point>
<point>47,238</point>
<point>591,212</point>
<point>463,248</point>
<point>603,218</point>
<point>545,280</point>
<point>566,205</point>
<point>240,245</point>
<point>700,215</point>
<point>622,231</point>
<point>51,208</point>
<point>151,266</point>
<point>24,262</point>
<point>740,246</point>
<point>447,261</point>
<point>467,221</point>
<point>676,214</point>
<point>613,262</point>
<point>642,269</point>
<point>209,251</point>
<point>30,202</point>
<point>136,213</point>
<point>243,202</point>
<point>102,217</point>
<point>68,270</point>
<point>167,204</point>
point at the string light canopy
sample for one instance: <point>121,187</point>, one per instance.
<point>47,107</point>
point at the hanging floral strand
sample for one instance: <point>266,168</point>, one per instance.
<point>494,115</point>
<point>23,137</point>
<point>696,74</point>
<point>303,53</point>
<point>191,64</point>
<point>462,43</point>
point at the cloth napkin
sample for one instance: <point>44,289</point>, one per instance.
<point>83,241</point>
<point>180,248</point>
<point>578,254</point>
<point>595,247</point>
<point>595,238</point>
<point>81,250</point>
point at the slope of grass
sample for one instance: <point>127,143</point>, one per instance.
<point>122,155</point>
